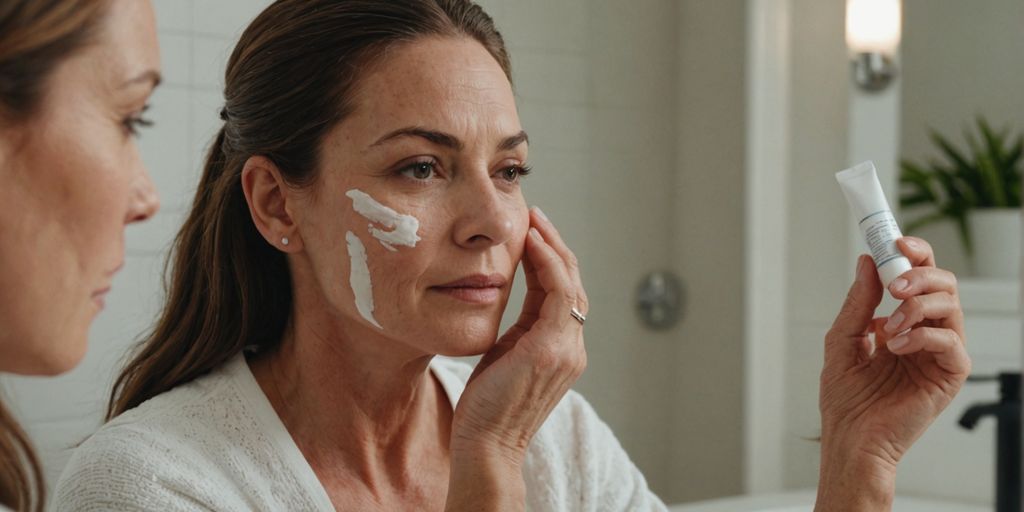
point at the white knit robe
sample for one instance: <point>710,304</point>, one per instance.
<point>217,444</point>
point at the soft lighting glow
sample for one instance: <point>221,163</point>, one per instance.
<point>873,26</point>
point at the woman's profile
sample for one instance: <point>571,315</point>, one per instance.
<point>75,78</point>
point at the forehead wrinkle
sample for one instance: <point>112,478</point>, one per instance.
<point>417,90</point>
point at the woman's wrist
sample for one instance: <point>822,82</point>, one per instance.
<point>485,479</point>
<point>854,479</point>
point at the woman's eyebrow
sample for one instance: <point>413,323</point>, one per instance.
<point>446,139</point>
<point>513,141</point>
<point>435,137</point>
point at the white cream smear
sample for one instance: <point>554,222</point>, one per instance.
<point>403,227</point>
<point>403,232</point>
<point>359,278</point>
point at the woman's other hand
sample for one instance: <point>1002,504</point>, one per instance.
<point>523,377</point>
<point>877,397</point>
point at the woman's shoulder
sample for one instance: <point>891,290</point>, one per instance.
<point>190,445</point>
<point>576,462</point>
<point>179,411</point>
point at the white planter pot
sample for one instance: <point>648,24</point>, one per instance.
<point>996,233</point>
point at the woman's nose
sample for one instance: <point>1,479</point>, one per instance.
<point>485,219</point>
<point>144,201</point>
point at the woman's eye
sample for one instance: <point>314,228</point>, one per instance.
<point>419,170</point>
<point>134,122</point>
<point>514,172</point>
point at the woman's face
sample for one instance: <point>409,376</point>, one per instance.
<point>417,222</point>
<point>72,180</point>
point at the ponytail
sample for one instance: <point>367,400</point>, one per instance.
<point>228,289</point>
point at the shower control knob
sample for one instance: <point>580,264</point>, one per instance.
<point>659,300</point>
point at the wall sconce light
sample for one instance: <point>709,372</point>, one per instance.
<point>872,35</point>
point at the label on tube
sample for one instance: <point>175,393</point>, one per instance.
<point>878,226</point>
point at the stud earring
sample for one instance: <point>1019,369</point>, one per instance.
<point>284,240</point>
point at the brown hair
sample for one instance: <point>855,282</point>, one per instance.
<point>35,36</point>
<point>289,81</point>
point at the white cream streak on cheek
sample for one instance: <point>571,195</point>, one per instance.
<point>403,227</point>
<point>359,278</point>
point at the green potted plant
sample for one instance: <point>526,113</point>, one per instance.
<point>979,189</point>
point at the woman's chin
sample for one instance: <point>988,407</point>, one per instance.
<point>44,358</point>
<point>470,338</point>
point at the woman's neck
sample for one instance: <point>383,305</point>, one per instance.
<point>355,406</point>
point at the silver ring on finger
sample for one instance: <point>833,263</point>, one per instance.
<point>577,315</point>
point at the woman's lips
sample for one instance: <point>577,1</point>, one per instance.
<point>100,297</point>
<point>477,288</point>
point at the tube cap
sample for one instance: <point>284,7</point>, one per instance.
<point>892,269</point>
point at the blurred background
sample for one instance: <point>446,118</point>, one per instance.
<point>694,142</point>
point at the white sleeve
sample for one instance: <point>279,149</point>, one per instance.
<point>576,463</point>
<point>618,485</point>
<point>113,473</point>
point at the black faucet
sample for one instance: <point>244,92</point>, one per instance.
<point>1008,440</point>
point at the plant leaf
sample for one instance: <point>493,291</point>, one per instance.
<point>993,181</point>
<point>950,151</point>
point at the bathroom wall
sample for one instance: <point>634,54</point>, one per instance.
<point>709,247</point>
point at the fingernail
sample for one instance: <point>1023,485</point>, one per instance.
<point>534,233</point>
<point>894,321</point>
<point>899,284</point>
<point>540,213</point>
<point>897,343</point>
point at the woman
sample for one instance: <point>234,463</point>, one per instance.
<point>360,213</point>
<point>75,76</point>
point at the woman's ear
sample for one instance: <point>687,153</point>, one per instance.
<point>266,192</point>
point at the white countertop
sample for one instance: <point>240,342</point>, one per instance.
<point>803,501</point>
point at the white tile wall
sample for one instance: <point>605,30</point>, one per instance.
<point>166,147</point>
<point>209,55</point>
<point>174,14</point>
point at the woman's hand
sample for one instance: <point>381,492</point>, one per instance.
<point>878,398</point>
<point>521,379</point>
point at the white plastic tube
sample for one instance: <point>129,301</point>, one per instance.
<point>877,224</point>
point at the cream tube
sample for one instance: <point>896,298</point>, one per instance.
<point>867,200</point>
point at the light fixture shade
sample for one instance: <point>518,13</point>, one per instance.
<point>873,26</point>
